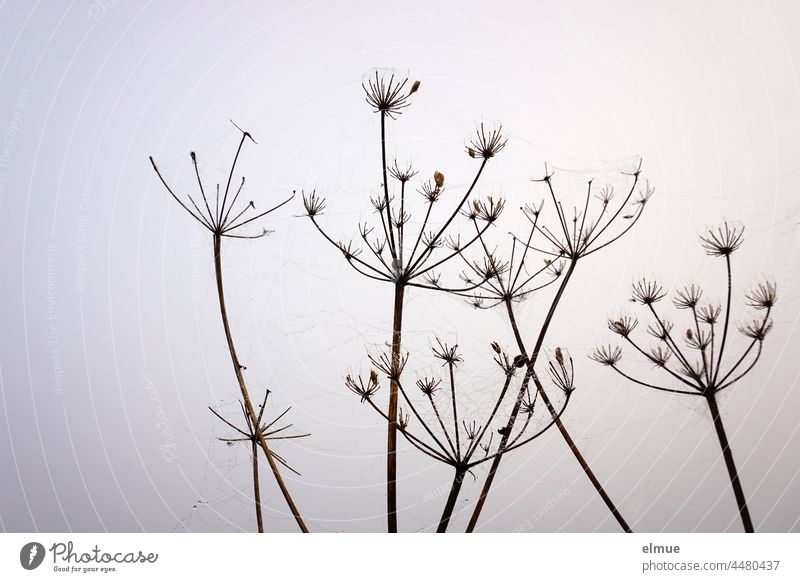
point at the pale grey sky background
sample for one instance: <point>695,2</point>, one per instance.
<point>111,348</point>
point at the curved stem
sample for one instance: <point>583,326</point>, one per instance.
<point>727,319</point>
<point>392,247</point>
<point>243,387</point>
<point>741,502</point>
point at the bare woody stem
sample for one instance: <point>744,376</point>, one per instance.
<point>243,387</point>
<point>738,492</point>
<point>391,436</point>
<point>531,363</point>
<point>450,505</point>
<point>257,488</point>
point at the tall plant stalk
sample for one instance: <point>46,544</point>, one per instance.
<point>391,434</point>
<point>727,454</point>
<point>221,224</point>
<point>248,403</point>
<point>572,243</point>
<point>396,256</point>
<point>699,368</point>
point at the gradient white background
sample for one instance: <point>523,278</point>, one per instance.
<point>111,346</point>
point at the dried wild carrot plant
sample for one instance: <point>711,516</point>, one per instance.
<point>697,365</point>
<point>394,254</point>
<point>219,214</point>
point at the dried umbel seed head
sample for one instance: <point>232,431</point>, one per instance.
<point>563,374</point>
<point>606,194</point>
<point>528,406</point>
<point>428,386</point>
<point>365,390</point>
<point>756,330</point>
<point>623,325</point>
<point>486,144</point>
<point>430,191</point>
<point>471,430</point>
<point>688,297</point>
<point>709,313</point>
<point>448,354</point>
<point>645,194</point>
<point>384,364</point>
<point>692,370</point>
<point>607,355</point>
<point>647,292</point>
<point>660,330</point>
<point>723,241</point>
<point>764,296</point>
<point>496,347</point>
<point>314,205</point>
<point>402,419</point>
<point>659,355</point>
<point>699,341</point>
<point>388,94</point>
<point>490,210</point>
<point>438,179</point>
<point>401,174</point>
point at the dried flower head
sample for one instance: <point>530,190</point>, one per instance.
<point>402,419</point>
<point>365,390</point>
<point>562,372</point>
<point>314,205</point>
<point>487,211</point>
<point>428,386</point>
<point>723,241</point>
<point>709,313</point>
<point>647,292</point>
<point>430,191</point>
<point>607,355</point>
<point>756,330</point>
<point>623,325</point>
<point>486,144</point>
<point>472,429</point>
<point>660,330</point>
<point>606,194</point>
<point>645,194</point>
<point>448,354</point>
<point>763,296</point>
<point>688,297</point>
<point>387,94</point>
<point>698,341</point>
<point>384,364</point>
<point>659,355</point>
<point>401,174</point>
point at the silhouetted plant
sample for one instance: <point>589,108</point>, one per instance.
<point>402,258</point>
<point>224,221</point>
<point>459,445</point>
<point>569,242</point>
<point>249,434</point>
<point>699,366</point>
